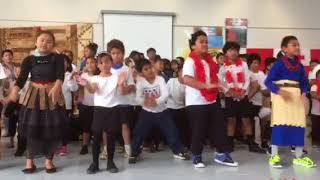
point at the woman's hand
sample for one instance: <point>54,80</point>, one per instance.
<point>55,92</point>
<point>286,95</point>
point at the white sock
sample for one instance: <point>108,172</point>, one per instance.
<point>105,148</point>
<point>274,150</point>
<point>127,148</point>
<point>299,151</point>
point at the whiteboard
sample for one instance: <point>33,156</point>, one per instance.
<point>140,32</point>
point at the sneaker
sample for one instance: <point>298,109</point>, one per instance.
<point>305,162</point>
<point>63,151</point>
<point>93,169</point>
<point>182,156</point>
<point>197,162</point>
<point>111,167</point>
<point>103,155</point>
<point>133,159</point>
<point>84,150</point>
<point>225,159</point>
<point>275,161</point>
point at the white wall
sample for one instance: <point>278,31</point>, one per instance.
<point>269,20</point>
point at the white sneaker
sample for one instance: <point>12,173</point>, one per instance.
<point>103,155</point>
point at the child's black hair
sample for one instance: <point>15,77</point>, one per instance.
<point>49,33</point>
<point>219,55</point>
<point>158,57</point>
<point>285,41</point>
<point>67,59</point>
<point>151,49</point>
<point>141,63</point>
<point>253,57</point>
<point>6,51</point>
<point>117,44</point>
<point>314,61</point>
<point>317,73</point>
<point>180,59</point>
<point>102,55</point>
<point>230,45</point>
<point>93,48</point>
<point>194,38</point>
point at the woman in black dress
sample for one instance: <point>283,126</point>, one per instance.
<point>41,115</point>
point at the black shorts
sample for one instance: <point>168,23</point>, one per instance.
<point>105,120</point>
<point>85,117</point>
<point>254,109</point>
<point>237,108</point>
<point>124,114</point>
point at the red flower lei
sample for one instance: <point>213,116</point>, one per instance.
<point>240,75</point>
<point>209,95</point>
<point>289,65</point>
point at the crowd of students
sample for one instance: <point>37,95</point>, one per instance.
<point>145,103</point>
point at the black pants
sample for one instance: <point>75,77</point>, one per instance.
<point>179,117</point>
<point>66,129</point>
<point>12,113</point>
<point>97,137</point>
<point>202,118</point>
<point>315,131</point>
<point>147,122</point>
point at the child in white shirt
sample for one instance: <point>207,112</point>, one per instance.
<point>176,106</point>
<point>152,94</point>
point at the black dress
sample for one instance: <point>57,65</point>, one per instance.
<point>41,120</point>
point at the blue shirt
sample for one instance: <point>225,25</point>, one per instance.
<point>280,72</point>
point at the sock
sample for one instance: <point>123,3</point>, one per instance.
<point>274,150</point>
<point>127,149</point>
<point>299,151</point>
<point>105,148</point>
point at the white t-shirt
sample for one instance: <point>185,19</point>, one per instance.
<point>234,69</point>
<point>194,96</point>
<point>87,97</point>
<point>124,99</point>
<point>107,88</point>
<point>315,110</point>
<point>177,93</point>
<point>158,88</point>
<point>260,77</point>
<point>68,86</point>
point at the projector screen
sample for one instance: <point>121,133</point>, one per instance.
<point>140,31</point>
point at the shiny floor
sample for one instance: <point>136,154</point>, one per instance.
<point>160,166</point>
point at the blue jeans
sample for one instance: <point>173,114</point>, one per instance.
<point>148,121</point>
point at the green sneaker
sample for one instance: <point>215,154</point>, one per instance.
<point>305,162</point>
<point>275,161</point>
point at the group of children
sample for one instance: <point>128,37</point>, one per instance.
<point>140,102</point>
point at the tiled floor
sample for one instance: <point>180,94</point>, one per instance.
<point>159,166</point>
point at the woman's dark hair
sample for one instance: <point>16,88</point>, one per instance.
<point>67,59</point>
<point>194,38</point>
<point>141,63</point>
<point>6,51</point>
<point>253,57</point>
<point>49,33</point>
<point>102,55</point>
<point>280,54</point>
<point>93,48</point>
<point>230,45</point>
<point>285,41</point>
<point>115,43</point>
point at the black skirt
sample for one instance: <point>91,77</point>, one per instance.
<point>104,119</point>
<point>42,128</point>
